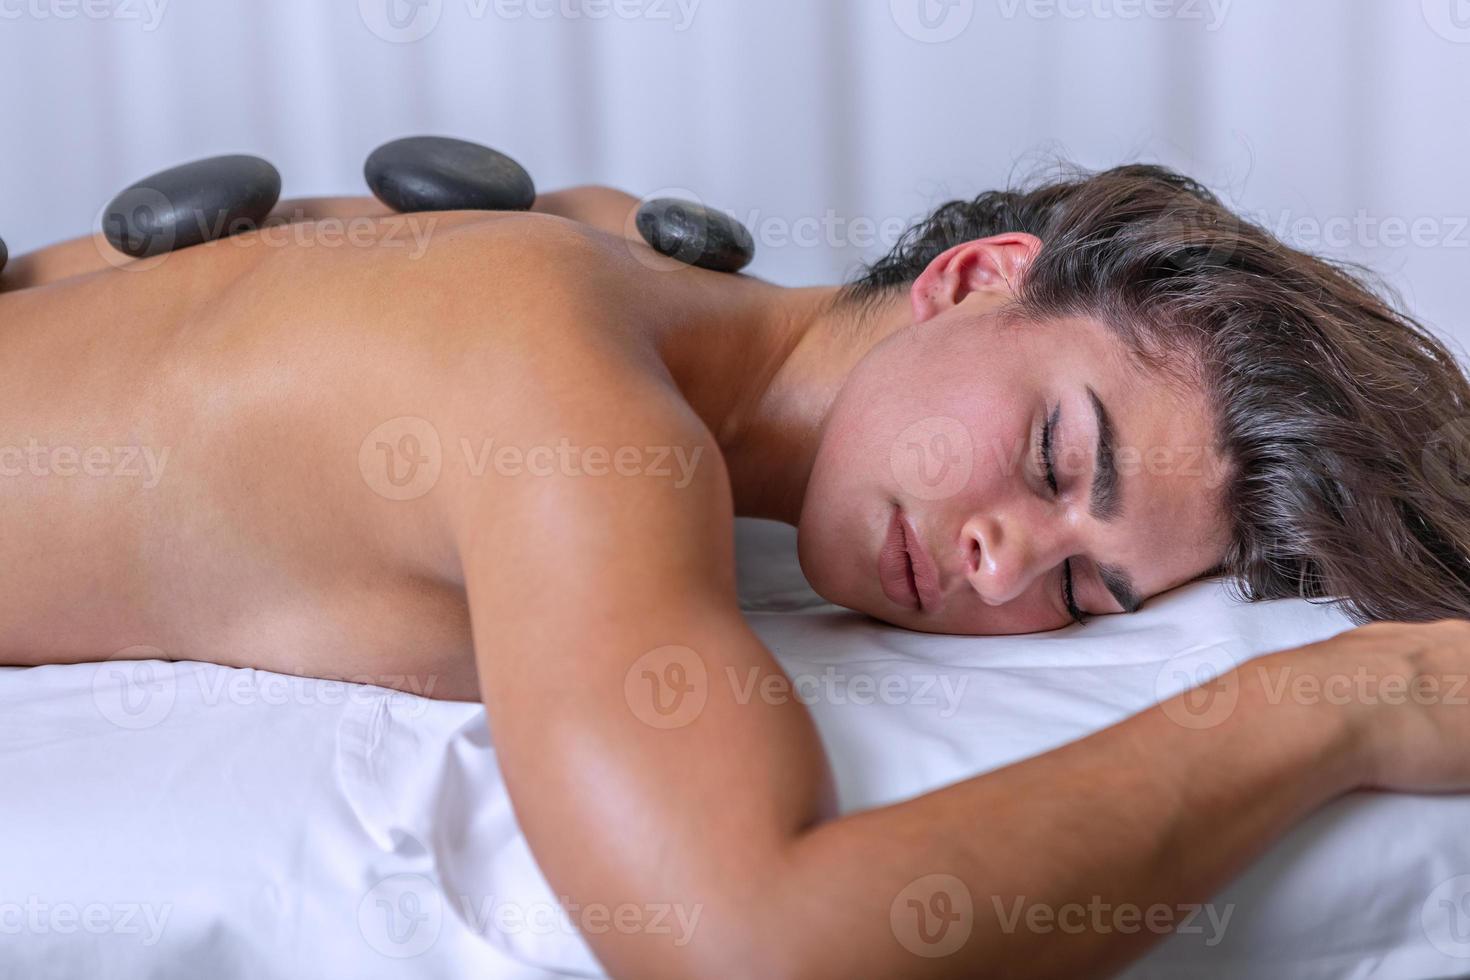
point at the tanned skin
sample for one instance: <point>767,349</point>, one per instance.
<point>268,540</point>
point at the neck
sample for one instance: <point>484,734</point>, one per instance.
<point>762,366</point>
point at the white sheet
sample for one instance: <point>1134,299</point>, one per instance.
<point>162,820</point>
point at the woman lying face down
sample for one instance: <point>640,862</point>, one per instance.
<point>1113,386</point>
<point>1044,404</point>
<point>1051,403</point>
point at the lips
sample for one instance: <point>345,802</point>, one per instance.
<point>896,568</point>
<point>907,574</point>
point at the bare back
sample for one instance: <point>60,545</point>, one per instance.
<point>230,456</point>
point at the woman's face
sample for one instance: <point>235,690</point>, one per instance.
<point>980,477</point>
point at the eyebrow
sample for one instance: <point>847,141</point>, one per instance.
<point>1116,581</point>
<point>1107,498</point>
<point>1107,504</point>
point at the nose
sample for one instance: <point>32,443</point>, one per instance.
<point>1004,554</point>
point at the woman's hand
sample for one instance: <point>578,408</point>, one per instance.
<point>1404,689</point>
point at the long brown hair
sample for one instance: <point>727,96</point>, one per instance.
<point>1344,420</point>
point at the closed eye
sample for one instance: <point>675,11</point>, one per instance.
<point>1049,471</point>
<point>1048,462</point>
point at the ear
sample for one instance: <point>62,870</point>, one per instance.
<point>987,265</point>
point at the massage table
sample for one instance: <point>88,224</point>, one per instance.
<point>178,820</point>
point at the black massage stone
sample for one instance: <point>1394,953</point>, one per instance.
<point>4,255</point>
<point>192,204</point>
<point>436,173</point>
<point>696,235</point>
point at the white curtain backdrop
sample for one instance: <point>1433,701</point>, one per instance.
<point>824,124</point>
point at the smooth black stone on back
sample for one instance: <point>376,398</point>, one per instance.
<point>192,204</point>
<point>437,173</point>
<point>4,255</point>
<point>695,234</point>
